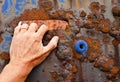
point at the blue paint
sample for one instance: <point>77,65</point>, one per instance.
<point>5,46</point>
<point>6,43</point>
<point>34,2</point>
<point>19,6</point>
<point>8,38</point>
<point>6,7</point>
<point>81,46</point>
<point>62,1</point>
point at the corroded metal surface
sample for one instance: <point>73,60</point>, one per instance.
<point>95,21</point>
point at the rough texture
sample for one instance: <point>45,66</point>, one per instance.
<point>95,27</point>
<point>52,24</point>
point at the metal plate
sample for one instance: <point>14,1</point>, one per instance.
<point>95,21</point>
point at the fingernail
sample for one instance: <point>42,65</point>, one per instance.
<point>44,25</point>
<point>20,23</point>
<point>57,37</point>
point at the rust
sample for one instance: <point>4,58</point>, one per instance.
<point>115,42</point>
<point>54,76</point>
<point>70,78</point>
<point>105,25</point>
<point>104,63</point>
<point>115,32</point>
<point>88,26</point>
<point>116,55</point>
<point>78,56</point>
<point>47,4</point>
<point>64,53</point>
<point>55,4</point>
<point>1,39</point>
<point>4,56</point>
<point>83,14</point>
<point>92,56</point>
<point>103,10</point>
<point>95,20</point>
<point>74,69</point>
<point>114,71</point>
<point>106,39</point>
<point>94,45</point>
<point>41,14</point>
<point>95,6</point>
<point>116,11</point>
<point>33,14</point>
<point>113,1</point>
<point>80,73</point>
<point>52,24</point>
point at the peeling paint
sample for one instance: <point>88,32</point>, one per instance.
<point>94,21</point>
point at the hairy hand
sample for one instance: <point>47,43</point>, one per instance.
<point>27,47</point>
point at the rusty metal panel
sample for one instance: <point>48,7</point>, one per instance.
<point>95,21</point>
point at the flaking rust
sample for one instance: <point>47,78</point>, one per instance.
<point>5,56</point>
<point>68,26</point>
<point>116,11</point>
<point>52,24</point>
<point>1,38</point>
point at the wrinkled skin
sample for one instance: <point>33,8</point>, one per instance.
<point>26,51</point>
<point>27,44</point>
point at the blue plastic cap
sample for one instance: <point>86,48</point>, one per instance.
<point>81,46</point>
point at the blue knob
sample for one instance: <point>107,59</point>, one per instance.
<point>81,46</point>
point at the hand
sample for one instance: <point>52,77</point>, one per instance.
<point>26,52</point>
<point>27,48</point>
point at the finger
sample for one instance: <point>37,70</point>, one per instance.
<point>33,27</point>
<point>52,44</point>
<point>42,30</point>
<point>17,29</point>
<point>20,23</point>
<point>24,28</point>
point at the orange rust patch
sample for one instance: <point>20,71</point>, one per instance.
<point>108,64</point>
<point>54,76</point>
<point>94,45</point>
<point>70,78</point>
<point>1,39</point>
<point>33,14</point>
<point>115,42</point>
<point>92,56</point>
<point>104,63</point>
<point>105,25</point>
<point>106,39</point>
<point>78,56</point>
<point>52,24</point>
<point>114,71</point>
<point>103,9</point>
<point>46,4</point>
<point>116,11</point>
<point>95,6</point>
<point>4,56</point>
<point>83,14</point>
<point>74,69</point>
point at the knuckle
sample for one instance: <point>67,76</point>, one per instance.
<point>44,26</point>
<point>33,24</point>
<point>17,27</point>
<point>25,24</point>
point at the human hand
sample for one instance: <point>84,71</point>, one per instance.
<point>26,52</point>
<point>27,48</point>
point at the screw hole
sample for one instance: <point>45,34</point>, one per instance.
<point>81,46</point>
